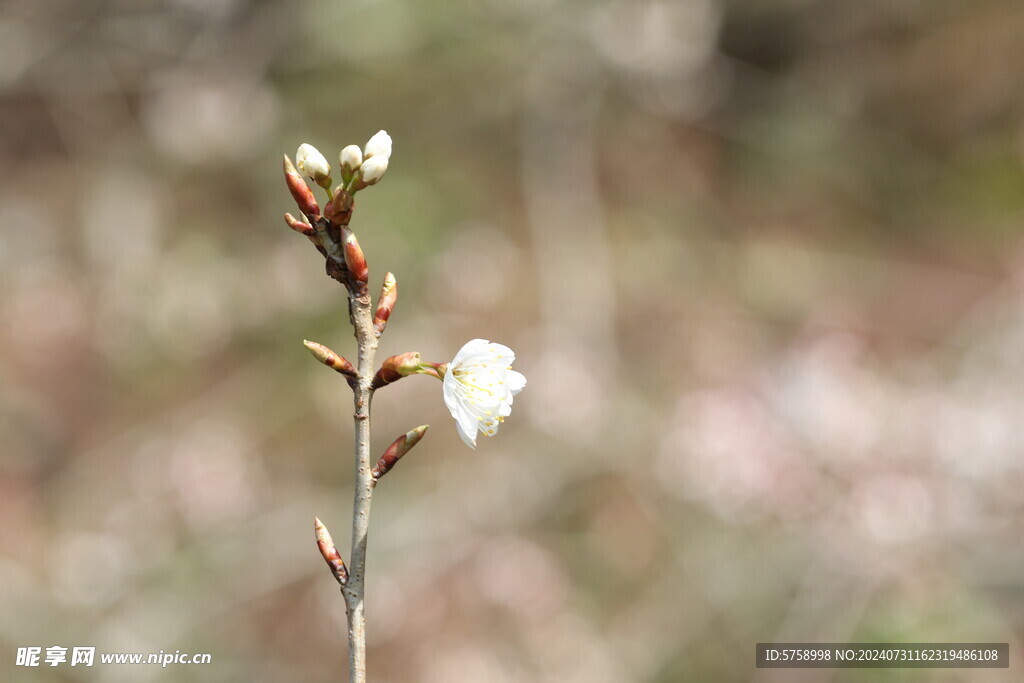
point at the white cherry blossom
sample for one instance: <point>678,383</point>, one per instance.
<point>373,169</point>
<point>378,145</point>
<point>351,157</point>
<point>479,386</point>
<point>311,162</point>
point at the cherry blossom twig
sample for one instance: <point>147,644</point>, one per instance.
<point>478,390</point>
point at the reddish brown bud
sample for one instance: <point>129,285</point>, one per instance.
<point>330,553</point>
<point>395,368</point>
<point>354,259</point>
<point>397,449</point>
<point>301,192</point>
<point>339,210</point>
<point>330,359</point>
<point>386,303</point>
<point>299,226</point>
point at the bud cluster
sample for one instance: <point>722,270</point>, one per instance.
<point>327,228</point>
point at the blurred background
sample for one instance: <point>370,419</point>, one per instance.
<point>761,262</point>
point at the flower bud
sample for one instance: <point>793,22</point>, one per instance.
<point>331,359</point>
<point>395,368</point>
<point>397,449</point>
<point>385,303</point>
<point>312,163</point>
<point>354,259</point>
<point>372,171</point>
<point>339,210</point>
<point>350,158</point>
<point>378,145</point>
<point>330,552</point>
<point>299,226</point>
<point>301,193</point>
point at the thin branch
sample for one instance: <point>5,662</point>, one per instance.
<point>353,590</point>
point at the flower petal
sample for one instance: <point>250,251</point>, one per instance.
<point>450,391</point>
<point>469,440</point>
<point>516,381</point>
<point>466,426</point>
<point>490,357</point>
<point>464,419</point>
<point>472,348</point>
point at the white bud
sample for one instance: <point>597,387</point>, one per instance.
<point>350,158</point>
<point>378,145</point>
<point>311,162</point>
<point>373,169</point>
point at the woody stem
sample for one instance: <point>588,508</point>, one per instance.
<point>354,589</point>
